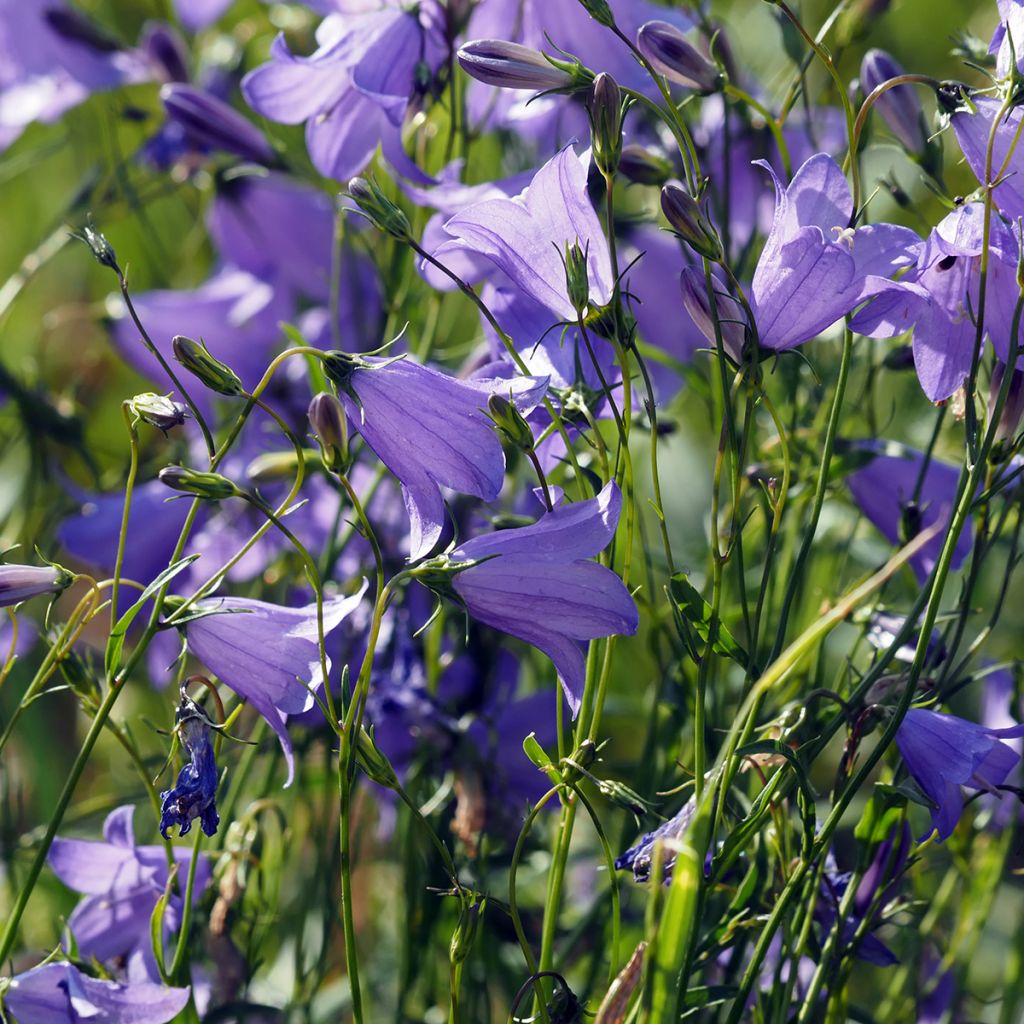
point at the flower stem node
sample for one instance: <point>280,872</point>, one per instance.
<point>211,486</point>
<point>381,211</point>
<point>196,358</point>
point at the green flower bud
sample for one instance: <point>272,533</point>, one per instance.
<point>466,930</point>
<point>273,466</point>
<point>373,761</point>
<point>599,11</point>
<point>158,411</point>
<point>196,358</point>
<point>211,486</point>
<point>510,422</point>
<point>577,277</point>
<point>380,210</point>
<point>643,166</point>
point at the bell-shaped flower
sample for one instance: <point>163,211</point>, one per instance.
<point>814,268</point>
<point>944,753</point>
<point>59,993</point>
<point>538,583</point>
<point>972,129</point>
<point>526,236</point>
<point>267,653</point>
<point>901,502</point>
<point>430,430</point>
<point>121,883</point>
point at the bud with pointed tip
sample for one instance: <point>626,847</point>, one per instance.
<point>599,11</point>
<point>330,427</point>
<point>211,486</point>
<point>196,358</point>
<point>20,582</point>
<point>672,55</point>
<point>644,166</point>
<point>510,422</point>
<point>381,211</point>
<point>688,221</point>
<point>507,65</point>
<point>730,316</point>
<point>604,108</point>
<point>163,45</point>
<point>577,277</point>
<point>1013,410</point>
<point>273,466</point>
<point>98,244</point>
<point>77,28</point>
<point>212,122</point>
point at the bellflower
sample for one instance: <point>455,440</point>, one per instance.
<point>972,129</point>
<point>526,236</point>
<point>899,106</point>
<point>430,430</point>
<point>20,582</point>
<point>266,653</point>
<point>886,491</point>
<point>944,753</point>
<point>538,584</point>
<point>121,883</point>
<point>639,856</point>
<point>59,993</point>
<point>194,793</point>
<point>814,268</point>
<point>209,121</point>
<point>1008,38</point>
<point>354,91</point>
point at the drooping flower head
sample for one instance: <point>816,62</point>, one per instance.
<point>194,794</point>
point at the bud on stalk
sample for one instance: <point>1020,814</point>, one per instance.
<point>20,582</point>
<point>604,108</point>
<point>643,166</point>
<point>509,420</point>
<point>508,65</point>
<point>158,410</point>
<point>730,316</point>
<point>380,210</point>
<point>688,221</point>
<point>212,122</point>
<point>196,358</point>
<point>672,55</point>
<point>211,486</point>
<point>330,427</point>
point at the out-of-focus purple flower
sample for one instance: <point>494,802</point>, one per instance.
<point>354,91</point>
<point>197,14</point>
<point>899,106</point>
<point>268,654</point>
<point>1000,709</point>
<point>121,883</point>
<point>944,753</point>
<point>639,856</point>
<point>166,48</point>
<point>537,583</point>
<point>883,628</point>
<point>938,991</point>
<point>938,296</point>
<point>526,236</point>
<point>972,133</point>
<point>508,65</point>
<point>194,794</point>
<point>814,268</point>
<point>59,993</point>
<point>430,430</point>
<point>886,491</point>
<point>674,56</point>
<point>20,582</point>
<point>209,121</point>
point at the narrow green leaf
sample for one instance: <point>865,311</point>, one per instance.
<point>696,613</point>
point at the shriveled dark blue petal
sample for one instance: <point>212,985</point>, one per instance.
<point>639,856</point>
<point>194,794</point>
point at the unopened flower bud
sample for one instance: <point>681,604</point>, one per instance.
<point>75,27</point>
<point>577,277</point>
<point>599,11</point>
<point>899,358</point>
<point>330,427</point>
<point>273,466</point>
<point>689,222</point>
<point>101,248</point>
<point>899,106</point>
<point>605,109</point>
<point>508,65</point>
<point>727,309</point>
<point>509,420</point>
<point>196,358</point>
<point>374,761</point>
<point>643,166</point>
<point>20,582</point>
<point>380,210</point>
<point>159,411</point>
<point>672,55</point>
<point>466,930</point>
<point>1013,410</point>
<point>212,122</point>
<point>165,47</point>
<point>211,486</point>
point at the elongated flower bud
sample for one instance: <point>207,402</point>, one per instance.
<point>730,317</point>
<point>672,55</point>
<point>1013,410</point>
<point>899,106</point>
<point>270,467</point>
<point>167,49</point>
<point>577,277</point>
<point>604,107</point>
<point>508,65</point>
<point>20,582</point>
<point>380,210</point>
<point>509,420</point>
<point>687,219</point>
<point>644,166</point>
<point>599,11</point>
<point>211,486</point>
<point>77,28</point>
<point>212,122</point>
<point>196,358</point>
<point>330,426</point>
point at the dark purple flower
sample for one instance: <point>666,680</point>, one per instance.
<point>20,582</point>
<point>674,56</point>
<point>194,793</point>
<point>944,753</point>
<point>886,491</point>
<point>209,121</point>
<point>59,993</point>
<point>899,106</point>
<point>266,653</point>
<point>639,856</point>
<point>537,583</point>
<point>121,883</point>
<point>814,268</point>
<point>430,430</point>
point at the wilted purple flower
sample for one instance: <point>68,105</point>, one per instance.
<point>511,66</point>
<point>884,627</point>
<point>193,795</point>
<point>430,430</point>
<point>211,122</point>
<point>354,90</point>
<point>673,55</point>
<point>639,856</point>
<point>59,993</point>
<point>944,753</point>
<point>526,236</point>
<point>21,582</point>
<point>899,106</point>
<point>938,296</point>
<point>537,583</point>
<point>886,491</point>
<point>266,653</point>
<point>814,268</point>
<point>122,883</point>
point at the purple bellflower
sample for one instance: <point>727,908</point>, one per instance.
<point>430,430</point>
<point>526,236</point>
<point>194,793</point>
<point>972,131</point>
<point>537,583</point>
<point>814,268</point>
<point>209,121</point>
<point>639,856</point>
<point>1008,38</point>
<point>121,883</point>
<point>886,491</point>
<point>20,582</point>
<point>198,14</point>
<point>354,91</point>
<point>267,653</point>
<point>937,296</point>
<point>944,753</point>
<point>59,993</point>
